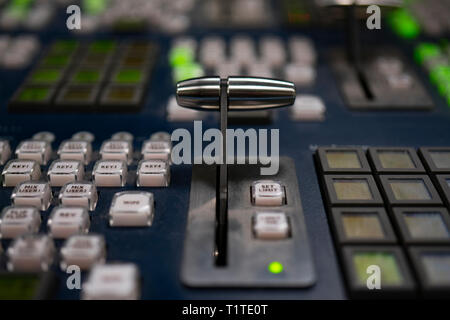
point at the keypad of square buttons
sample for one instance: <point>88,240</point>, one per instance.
<point>101,76</point>
<point>54,195</point>
<point>388,209</point>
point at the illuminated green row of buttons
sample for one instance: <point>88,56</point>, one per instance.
<point>437,63</point>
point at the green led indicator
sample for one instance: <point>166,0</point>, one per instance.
<point>187,71</point>
<point>404,24</point>
<point>86,76</point>
<point>46,76</point>
<point>129,76</point>
<point>180,56</point>
<point>55,60</point>
<point>426,51</point>
<point>63,46</point>
<point>102,46</point>
<point>94,7</point>
<point>34,94</point>
<point>275,267</point>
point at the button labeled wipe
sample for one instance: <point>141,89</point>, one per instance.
<point>79,194</point>
<point>33,193</point>
<point>16,221</point>
<point>132,209</point>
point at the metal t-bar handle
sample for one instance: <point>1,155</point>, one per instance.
<point>233,93</point>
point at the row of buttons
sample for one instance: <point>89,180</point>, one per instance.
<point>111,170</point>
<point>32,15</point>
<point>106,173</point>
<point>297,61</point>
<point>41,151</point>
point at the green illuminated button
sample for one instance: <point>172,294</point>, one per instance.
<point>275,267</point>
<point>404,24</point>
<point>55,61</point>
<point>426,51</point>
<point>440,75</point>
<point>129,76</point>
<point>102,46</point>
<point>46,76</point>
<point>34,94</point>
<point>386,261</point>
<point>18,9</point>
<point>133,61</point>
<point>63,46</point>
<point>94,7</point>
<point>95,60</point>
<point>193,70</point>
<point>180,56</point>
<point>86,76</point>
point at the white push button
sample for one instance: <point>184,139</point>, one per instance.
<point>112,282</point>
<point>5,151</point>
<point>32,193</point>
<point>79,194</point>
<point>64,171</point>
<point>153,173</point>
<point>123,135</point>
<point>132,209</point>
<point>110,173</point>
<point>267,193</point>
<point>31,253</point>
<point>300,74</point>
<point>67,221</point>
<point>117,150</point>
<point>242,50</point>
<point>83,251</point>
<point>271,226</point>
<point>83,136</point>
<point>16,221</point>
<point>308,108</point>
<point>302,51</point>
<point>37,150</point>
<point>75,150</point>
<point>273,51</point>
<point>259,69</point>
<point>156,150</point>
<point>17,171</point>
